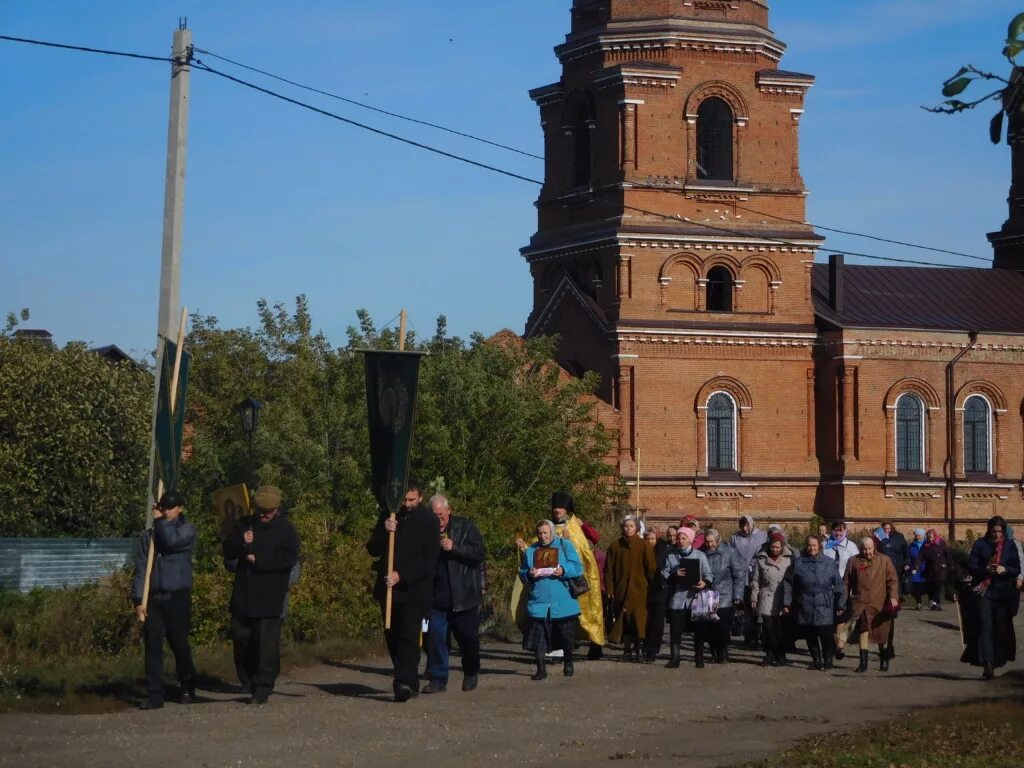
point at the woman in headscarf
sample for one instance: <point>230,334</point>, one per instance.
<point>936,567</point>
<point>677,574</point>
<point>990,600</point>
<point>584,537</point>
<point>546,568</point>
<point>768,587</point>
<point>817,598</point>
<point>918,582</point>
<point>874,591</point>
<point>628,570</point>
<point>728,574</point>
<point>690,521</point>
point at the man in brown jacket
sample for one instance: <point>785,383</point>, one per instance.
<point>874,598</point>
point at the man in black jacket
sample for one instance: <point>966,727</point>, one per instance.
<point>169,609</point>
<point>895,547</point>
<point>266,547</point>
<point>457,597</point>
<point>417,544</point>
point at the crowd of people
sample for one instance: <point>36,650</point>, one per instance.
<point>756,585</point>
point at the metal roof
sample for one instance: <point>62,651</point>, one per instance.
<point>926,298</point>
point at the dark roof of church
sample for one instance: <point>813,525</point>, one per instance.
<point>926,298</point>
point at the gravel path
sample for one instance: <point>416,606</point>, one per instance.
<point>341,713</point>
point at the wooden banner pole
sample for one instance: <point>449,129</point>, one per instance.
<point>403,318</point>
<point>151,554</point>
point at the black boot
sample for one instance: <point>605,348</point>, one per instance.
<point>883,659</point>
<point>595,653</point>
<point>698,655</point>
<point>830,660</point>
<point>673,662</point>
<point>627,650</point>
<point>816,662</point>
<point>769,658</point>
<point>863,666</point>
<point>567,668</point>
<point>542,670</point>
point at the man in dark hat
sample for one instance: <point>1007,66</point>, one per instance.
<point>417,546</point>
<point>168,612</point>
<point>266,548</point>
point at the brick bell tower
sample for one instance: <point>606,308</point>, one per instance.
<point>670,253</point>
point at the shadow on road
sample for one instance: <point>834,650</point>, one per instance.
<point>942,624</point>
<point>352,691</point>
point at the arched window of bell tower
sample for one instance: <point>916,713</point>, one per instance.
<point>583,121</point>
<point>714,140</point>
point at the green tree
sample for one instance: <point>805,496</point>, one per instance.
<point>74,432</point>
<point>1009,94</point>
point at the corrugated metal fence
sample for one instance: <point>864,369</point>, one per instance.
<point>29,563</point>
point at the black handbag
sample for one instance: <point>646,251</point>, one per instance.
<point>578,585</point>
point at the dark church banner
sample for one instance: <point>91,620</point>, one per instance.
<point>391,382</point>
<point>169,428</point>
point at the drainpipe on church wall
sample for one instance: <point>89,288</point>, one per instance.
<point>951,433</point>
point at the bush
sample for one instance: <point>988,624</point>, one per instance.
<point>93,620</point>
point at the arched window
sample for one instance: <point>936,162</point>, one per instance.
<point>719,289</point>
<point>581,146</point>
<point>721,433</point>
<point>909,434</point>
<point>977,454</point>
<point>714,140</point>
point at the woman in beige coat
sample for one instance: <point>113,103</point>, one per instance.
<point>769,596</point>
<point>874,599</point>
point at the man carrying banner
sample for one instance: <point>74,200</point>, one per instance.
<point>168,611</point>
<point>266,548</point>
<point>417,537</point>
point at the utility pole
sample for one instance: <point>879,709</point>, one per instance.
<point>174,209</point>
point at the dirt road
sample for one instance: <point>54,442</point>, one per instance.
<point>340,713</point>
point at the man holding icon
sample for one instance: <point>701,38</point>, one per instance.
<point>266,548</point>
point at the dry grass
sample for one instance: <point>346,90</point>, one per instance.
<point>983,734</point>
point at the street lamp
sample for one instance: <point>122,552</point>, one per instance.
<point>249,411</point>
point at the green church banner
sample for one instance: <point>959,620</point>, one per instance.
<point>392,379</point>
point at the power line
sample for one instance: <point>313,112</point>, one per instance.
<point>494,169</point>
<point>189,58</point>
<point>451,155</point>
<point>859,234</point>
<point>370,107</point>
<point>86,49</point>
<point>780,241</point>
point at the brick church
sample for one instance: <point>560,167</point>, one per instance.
<point>742,375</point>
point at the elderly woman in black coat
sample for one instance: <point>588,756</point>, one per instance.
<point>990,600</point>
<point>817,597</point>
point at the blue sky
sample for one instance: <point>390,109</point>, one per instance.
<point>280,201</point>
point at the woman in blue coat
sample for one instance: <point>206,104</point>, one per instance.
<point>546,569</point>
<point>817,597</point>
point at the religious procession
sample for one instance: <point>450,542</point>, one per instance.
<point>575,599</point>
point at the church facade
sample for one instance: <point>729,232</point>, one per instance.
<point>743,372</point>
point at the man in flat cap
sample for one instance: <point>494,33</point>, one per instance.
<point>266,548</point>
<point>168,612</point>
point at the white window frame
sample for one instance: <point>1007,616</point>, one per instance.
<point>735,433</point>
<point>989,463</point>
<point>896,433</point>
